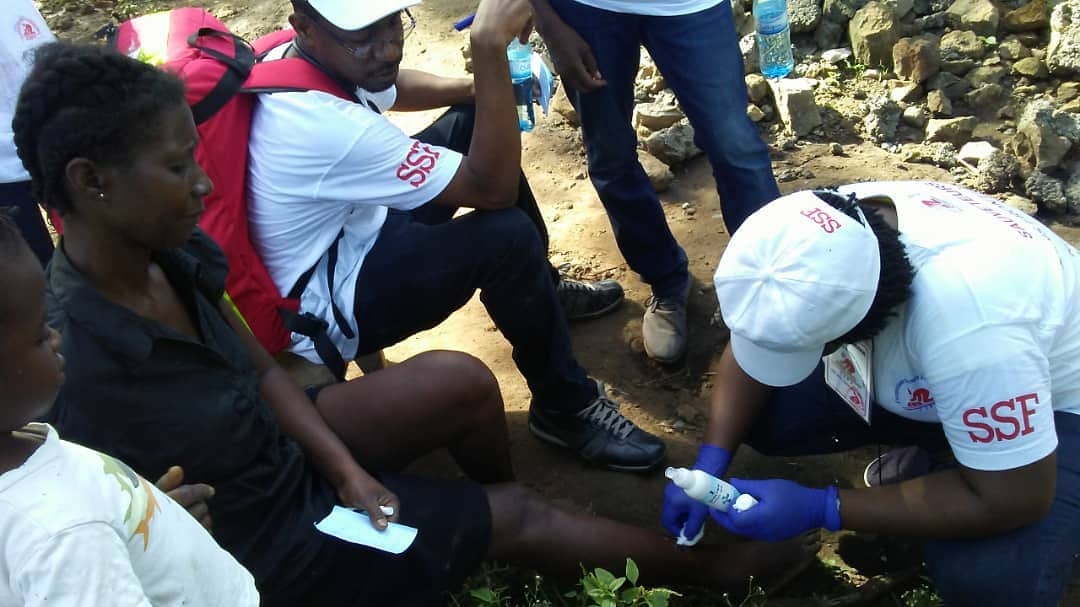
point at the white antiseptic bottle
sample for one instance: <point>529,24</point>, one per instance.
<point>709,490</point>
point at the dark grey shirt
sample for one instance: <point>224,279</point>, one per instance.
<point>155,398</point>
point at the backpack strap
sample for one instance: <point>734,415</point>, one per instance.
<point>294,74</point>
<point>238,68</point>
<point>309,325</point>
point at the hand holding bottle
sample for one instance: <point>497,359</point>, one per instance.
<point>500,21</point>
<point>784,509</point>
<point>682,513</point>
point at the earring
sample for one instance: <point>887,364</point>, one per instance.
<point>101,195</point>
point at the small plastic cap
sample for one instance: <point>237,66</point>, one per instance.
<point>679,476</point>
<point>745,501</point>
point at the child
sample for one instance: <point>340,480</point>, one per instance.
<point>78,527</point>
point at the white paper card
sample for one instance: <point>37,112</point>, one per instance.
<point>355,526</point>
<point>546,80</point>
<point>849,372</point>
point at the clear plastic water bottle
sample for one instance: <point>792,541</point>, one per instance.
<point>520,58</point>
<point>773,38</point>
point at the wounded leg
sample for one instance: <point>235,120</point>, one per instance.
<point>530,531</point>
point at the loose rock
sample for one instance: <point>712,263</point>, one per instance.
<point>952,130</point>
<point>796,105</point>
<point>916,59</point>
<point>1031,16</point>
<point>1063,51</point>
<point>979,16</point>
<point>873,33</point>
<point>1031,67</point>
<point>938,103</point>
<point>996,172</point>
<point>1047,192</point>
<point>673,145</point>
<point>882,118</point>
<point>660,175</point>
<point>915,115</point>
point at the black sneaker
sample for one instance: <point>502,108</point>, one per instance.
<point>600,434</point>
<point>582,300</point>
<point>905,463</point>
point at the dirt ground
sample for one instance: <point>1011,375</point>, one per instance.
<point>669,401</point>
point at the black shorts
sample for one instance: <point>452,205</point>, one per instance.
<point>454,522</point>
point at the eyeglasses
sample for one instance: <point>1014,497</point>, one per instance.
<point>367,49</point>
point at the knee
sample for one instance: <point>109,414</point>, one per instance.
<point>518,510</point>
<point>611,156</point>
<point>970,573</point>
<point>735,140</point>
<point>518,234</point>
<point>469,380</point>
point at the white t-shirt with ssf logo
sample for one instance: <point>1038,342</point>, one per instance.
<point>318,165</point>
<point>989,343</point>
<point>21,30</point>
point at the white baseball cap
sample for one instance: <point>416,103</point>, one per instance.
<point>796,275</point>
<point>357,14</point>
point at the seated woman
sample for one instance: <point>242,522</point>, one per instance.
<point>161,371</point>
<point>78,527</point>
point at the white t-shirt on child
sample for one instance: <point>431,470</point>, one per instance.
<point>989,343</point>
<point>79,528</point>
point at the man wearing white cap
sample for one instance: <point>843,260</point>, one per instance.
<point>358,216</point>
<point>945,318</point>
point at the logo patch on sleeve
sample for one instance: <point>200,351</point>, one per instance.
<point>913,394</point>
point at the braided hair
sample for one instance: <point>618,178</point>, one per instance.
<point>897,273</point>
<point>82,101</point>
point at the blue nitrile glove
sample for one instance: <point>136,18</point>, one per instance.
<point>784,510</point>
<point>684,513</point>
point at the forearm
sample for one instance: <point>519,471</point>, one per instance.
<point>418,90</point>
<point>543,14</point>
<point>293,410</point>
<point>946,505</point>
<point>494,157</point>
<point>300,420</point>
<point>737,401</point>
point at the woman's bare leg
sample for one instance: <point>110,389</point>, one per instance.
<point>530,531</point>
<point>431,401</point>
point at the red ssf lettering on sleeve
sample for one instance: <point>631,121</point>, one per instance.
<point>1027,413</point>
<point>1000,418</point>
<point>820,217</point>
<point>969,421</point>
<point>418,164</point>
<point>1008,423</point>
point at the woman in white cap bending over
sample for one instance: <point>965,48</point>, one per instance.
<point>948,322</point>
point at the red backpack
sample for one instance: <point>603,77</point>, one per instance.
<point>222,72</point>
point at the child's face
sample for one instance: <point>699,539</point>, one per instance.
<point>31,367</point>
<point>158,200</point>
